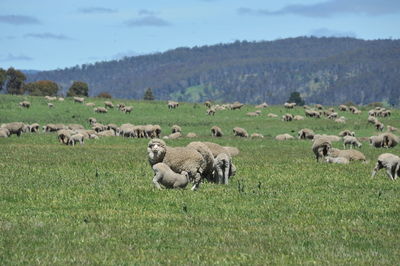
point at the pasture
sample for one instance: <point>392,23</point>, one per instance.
<point>96,204</point>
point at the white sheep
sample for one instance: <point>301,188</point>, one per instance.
<point>163,175</point>
<point>339,160</point>
<point>75,139</point>
<point>351,141</point>
<point>321,147</point>
<point>389,161</point>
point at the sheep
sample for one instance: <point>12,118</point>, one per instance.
<point>263,105</point>
<point>391,129</point>
<point>354,110</point>
<point>100,110</point>
<point>351,155</point>
<point>139,131</point>
<point>50,105</point>
<point>298,117</point>
<point>339,160</point>
<point>53,127</point>
<point>343,108</point>
<point>75,126</point>
<point>285,136</point>
<point>126,130</point>
<point>175,135</point>
<point>4,132</point>
<point>34,128</point>
<point>351,141</point>
<point>106,133</point>
<point>92,120</point>
<point>312,113</point>
<point>306,133</point>
<point>90,104</point>
<point>346,132</point>
<point>216,131</point>
<point>98,127</point>
<point>207,104</point>
<point>232,151</point>
<point>333,116</point>
<point>15,128</point>
<point>240,132</point>
<point>252,114</point>
<point>321,147</point>
<point>176,128</point>
<point>172,104</point>
<point>75,138</point>
<point>379,125</point>
<point>376,141</point>
<point>120,106</point>
<point>208,157</point>
<point>25,104</point>
<point>63,135</point>
<point>50,98</point>
<point>179,159</point>
<point>287,117</point>
<point>163,175</point>
<point>236,105</point>
<point>127,109</point>
<point>108,104</point>
<point>79,99</point>
<point>389,140</point>
<point>191,135</point>
<point>331,138</point>
<point>112,126</point>
<point>341,120</point>
<point>389,161</point>
<point>211,111</point>
<point>319,106</point>
<point>272,115</point>
<point>289,105</point>
<point>61,99</point>
<point>256,136</point>
<point>223,168</point>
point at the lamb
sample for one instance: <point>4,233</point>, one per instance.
<point>284,137</point>
<point>351,155</point>
<point>351,141</point>
<point>75,138</point>
<point>306,133</point>
<point>163,175</point>
<point>176,128</point>
<point>240,132</point>
<point>339,160</point>
<point>321,147</point>
<point>179,159</point>
<point>223,168</point>
<point>216,131</point>
<point>389,161</point>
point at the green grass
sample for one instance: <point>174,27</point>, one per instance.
<point>96,203</point>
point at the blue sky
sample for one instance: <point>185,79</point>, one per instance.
<point>51,34</point>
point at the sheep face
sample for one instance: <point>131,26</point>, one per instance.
<point>156,150</point>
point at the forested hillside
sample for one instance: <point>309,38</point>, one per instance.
<point>323,70</point>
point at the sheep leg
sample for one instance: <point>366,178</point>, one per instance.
<point>226,174</point>
<point>378,166</point>
<point>157,177</point>
<point>220,175</point>
<point>197,180</point>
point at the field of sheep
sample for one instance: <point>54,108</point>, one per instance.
<point>96,204</point>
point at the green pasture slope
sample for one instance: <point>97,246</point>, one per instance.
<point>95,204</point>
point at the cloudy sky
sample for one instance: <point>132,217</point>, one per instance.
<point>51,34</point>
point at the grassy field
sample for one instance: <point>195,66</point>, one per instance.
<point>95,203</point>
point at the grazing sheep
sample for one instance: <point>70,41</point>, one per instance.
<point>312,113</point>
<point>339,160</point>
<point>79,99</point>
<point>333,116</point>
<point>75,139</point>
<point>389,161</point>
<point>112,126</point>
<point>4,132</point>
<point>240,132</point>
<point>351,155</point>
<point>50,105</point>
<point>319,106</point>
<point>272,115</point>
<point>15,128</point>
<point>232,151</point>
<point>343,108</point>
<point>163,175</point>
<point>263,105</point>
<point>389,140</point>
<point>208,157</point>
<point>256,136</point>
<point>191,135</point>
<point>353,109</point>
<point>126,130</point>
<point>376,141</point>
<point>207,104</point>
<point>106,133</point>
<point>223,168</point>
<point>306,133</point>
<point>90,104</point>
<point>176,128</point>
<point>346,132</point>
<point>179,159</point>
<point>25,104</point>
<point>120,106</point>
<point>100,110</point>
<point>287,117</point>
<point>53,127</point>
<point>172,104</point>
<point>216,131</point>
<point>61,99</point>
<point>211,111</point>
<point>289,105</point>
<point>379,125</point>
<point>298,117</point>
<point>331,138</point>
<point>34,128</point>
<point>98,127</point>
<point>321,147</point>
<point>236,105</point>
<point>108,104</point>
<point>127,109</point>
<point>139,131</point>
<point>63,135</point>
<point>351,141</point>
<point>285,136</point>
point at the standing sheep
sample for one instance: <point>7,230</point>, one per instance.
<point>163,175</point>
<point>351,141</point>
<point>321,147</point>
<point>389,140</point>
<point>216,131</point>
<point>79,99</point>
<point>306,133</point>
<point>25,104</point>
<point>223,168</point>
<point>240,132</point>
<point>15,128</point>
<point>108,104</point>
<point>389,161</point>
<point>75,139</point>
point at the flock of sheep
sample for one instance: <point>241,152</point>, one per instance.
<point>175,167</point>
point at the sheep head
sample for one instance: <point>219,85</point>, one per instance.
<point>156,149</point>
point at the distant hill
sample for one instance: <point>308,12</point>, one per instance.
<point>323,70</point>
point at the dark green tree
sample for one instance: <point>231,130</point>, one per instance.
<point>15,81</point>
<point>3,78</point>
<point>296,98</point>
<point>148,95</point>
<point>78,88</point>
<point>42,88</point>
